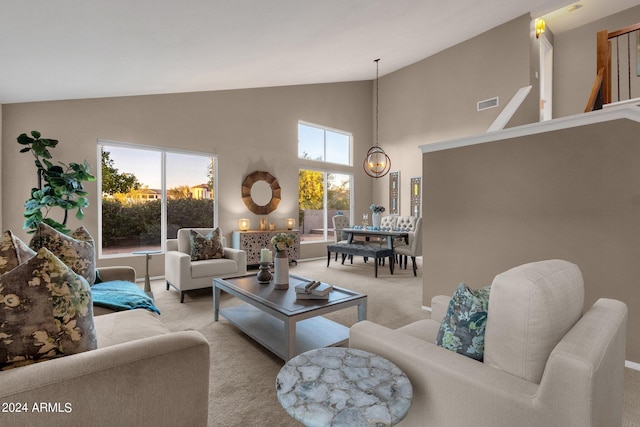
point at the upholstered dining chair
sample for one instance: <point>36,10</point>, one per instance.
<point>414,248</point>
<point>339,223</point>
<point>388,221</point>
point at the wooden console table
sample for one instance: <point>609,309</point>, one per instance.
<point>253,240</point>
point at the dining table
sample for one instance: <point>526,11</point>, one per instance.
<point>389,234</point>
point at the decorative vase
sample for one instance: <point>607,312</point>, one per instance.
<point>281,270</point>
<point>376,217</point>
<point>264,275</point>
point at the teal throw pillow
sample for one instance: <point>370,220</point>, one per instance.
<point>462,329</point>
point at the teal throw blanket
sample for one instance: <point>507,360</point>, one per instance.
<point>121,295</point>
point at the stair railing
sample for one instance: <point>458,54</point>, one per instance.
<point>601,92</point>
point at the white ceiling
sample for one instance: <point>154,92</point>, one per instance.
<point>72,49</point>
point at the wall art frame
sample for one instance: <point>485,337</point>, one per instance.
<point>415,195</point>
<point>394,193</point>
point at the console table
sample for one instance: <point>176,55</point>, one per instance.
<point>253,240</point>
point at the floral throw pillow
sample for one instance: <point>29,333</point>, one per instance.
<point>46,312</point>
<point>462,329</point>
<point>77,249</point>
<point>205,247</point>
<point>13,252</point>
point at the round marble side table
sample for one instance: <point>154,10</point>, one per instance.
<point>343,387</point>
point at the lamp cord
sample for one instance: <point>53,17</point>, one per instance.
<point>377,97</point>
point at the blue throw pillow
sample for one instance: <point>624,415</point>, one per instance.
<point>462,329</point>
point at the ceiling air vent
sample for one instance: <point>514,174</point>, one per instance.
<point>487,103</point>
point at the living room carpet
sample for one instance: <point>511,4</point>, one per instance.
<point>242,376</point>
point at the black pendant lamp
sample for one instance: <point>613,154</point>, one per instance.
<point>376,163</point>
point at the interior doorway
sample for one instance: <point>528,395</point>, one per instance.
<point>546,79</point>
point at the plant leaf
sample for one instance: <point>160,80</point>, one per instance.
<point>24,139</point>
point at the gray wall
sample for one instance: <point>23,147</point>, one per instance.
<point>575,62</point>
<point>435,99</point>
<point>249,130</point>
<point>571,194</point>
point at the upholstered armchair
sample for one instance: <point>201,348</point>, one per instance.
<point>183,274</point>
<point>545,362</point>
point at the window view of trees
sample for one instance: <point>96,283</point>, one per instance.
<point>315,191</point>
<point>132,196</point>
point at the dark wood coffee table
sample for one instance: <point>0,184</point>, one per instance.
<point>281,323</point>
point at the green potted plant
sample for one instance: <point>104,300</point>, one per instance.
<point>59,185</point>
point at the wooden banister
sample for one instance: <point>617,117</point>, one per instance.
<point>601,92</point>
<point>603,61</point>
<point>625,30</point>
<point>596,93</point>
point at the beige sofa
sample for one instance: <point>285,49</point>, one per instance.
<point>545,363</point>
<point>108,274</point>
<point>140,374</point>
<point>185,275</point>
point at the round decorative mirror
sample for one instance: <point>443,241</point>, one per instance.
<point>261,192</point>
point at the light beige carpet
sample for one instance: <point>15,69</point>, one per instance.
<point>242,377</point>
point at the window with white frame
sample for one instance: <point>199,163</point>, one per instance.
<point>322,193</point>
<point>149,193</point>
<point>324,144</point>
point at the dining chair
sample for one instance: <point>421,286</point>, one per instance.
<point>414,248</point>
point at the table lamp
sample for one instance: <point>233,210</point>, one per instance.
<point>243,224</point>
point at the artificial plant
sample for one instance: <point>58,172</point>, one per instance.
<point>59,185</point>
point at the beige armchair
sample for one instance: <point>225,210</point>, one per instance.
<point>184,275</point>
<point>545,363</point>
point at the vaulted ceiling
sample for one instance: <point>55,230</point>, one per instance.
<point>72,49</point>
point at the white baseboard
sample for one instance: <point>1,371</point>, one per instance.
<point>426,308</point>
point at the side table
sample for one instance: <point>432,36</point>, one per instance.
<point>147,253</point>
<point>343,387</point>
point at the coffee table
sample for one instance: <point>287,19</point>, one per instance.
<point>281,323</point>
<point>343,387</point>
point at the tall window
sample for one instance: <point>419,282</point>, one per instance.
<point>321,193</point>
<point>148,194</point>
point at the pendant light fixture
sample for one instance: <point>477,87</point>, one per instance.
<point>376,163</point>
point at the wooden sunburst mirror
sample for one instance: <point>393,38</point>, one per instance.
<point>257,206</point>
